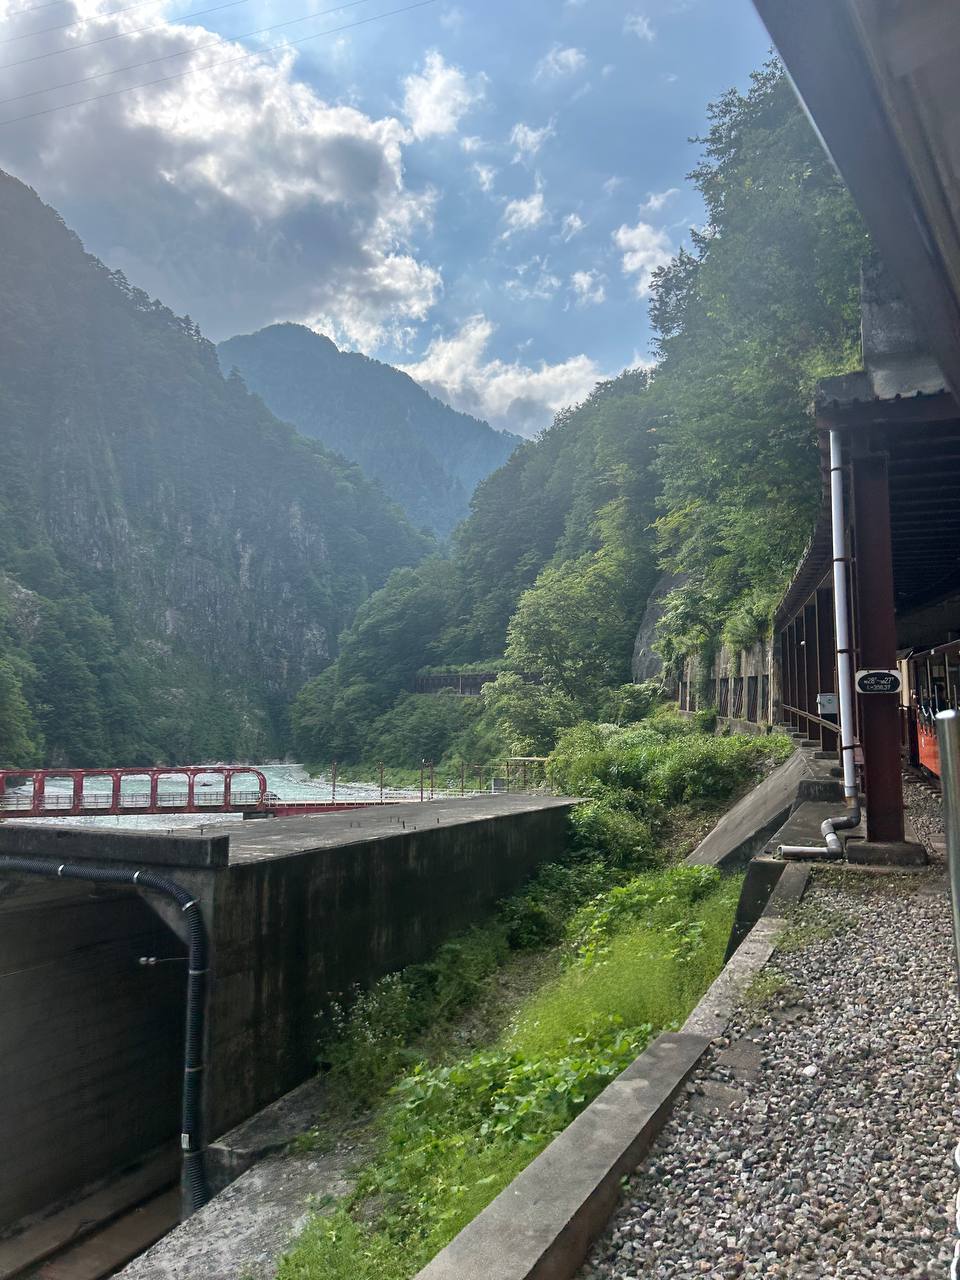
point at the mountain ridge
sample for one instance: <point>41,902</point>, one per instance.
<point>427,456</point>
<point>174,560</point>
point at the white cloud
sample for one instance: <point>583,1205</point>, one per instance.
<point>656,200</point>
<point>485,174</point>
<point>507,393</point>
<point>524,214</point>
<point>612,184</point>
<point>471,143</point>
<point>559,62</point>
<point>534,281</point>
<point>637,24</point>
<point>588,287</point>
<point>435,100</point>
<point>240,196</point>
<point>527,141</point>
<point>572,225</point>
<point>644,248</point>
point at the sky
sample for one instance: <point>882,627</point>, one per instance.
<point>476,191</point>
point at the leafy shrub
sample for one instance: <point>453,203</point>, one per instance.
<point>537,917</point>
<point>606,828</point>
<point>663,760</point>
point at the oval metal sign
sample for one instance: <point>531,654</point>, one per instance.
<point>878,681</point>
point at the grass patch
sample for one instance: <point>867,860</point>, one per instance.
<point>632,960</point>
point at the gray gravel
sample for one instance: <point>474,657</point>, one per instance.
<point>817,1139</point>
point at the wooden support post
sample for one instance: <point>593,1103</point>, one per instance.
<point>879,714</point>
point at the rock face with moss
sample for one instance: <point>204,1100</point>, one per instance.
<point>174,561</point>
<point>428,457</point>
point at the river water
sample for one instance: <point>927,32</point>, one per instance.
<point>289,782</point>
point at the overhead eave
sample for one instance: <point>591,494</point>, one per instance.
<point>876,80</point>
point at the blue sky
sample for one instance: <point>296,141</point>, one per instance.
<point>476,192</point>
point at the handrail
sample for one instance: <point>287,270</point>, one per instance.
<point>809,715</point>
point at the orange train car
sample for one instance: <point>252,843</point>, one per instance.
<point>931,684</point>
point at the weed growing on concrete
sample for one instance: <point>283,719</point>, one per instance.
<point>809,925</point>
<point>315,1142</point>
<point>768,988</point>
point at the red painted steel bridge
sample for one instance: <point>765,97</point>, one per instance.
<point>30,793</point>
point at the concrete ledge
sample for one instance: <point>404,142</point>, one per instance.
<point>892,853</point>
<point>265,1133</point>
<point>94,844</point>
<point>712,1014</point>
<point>746,828</point>
<point>541,1226</point>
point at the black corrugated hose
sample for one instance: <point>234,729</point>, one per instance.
<point>195,1188</point>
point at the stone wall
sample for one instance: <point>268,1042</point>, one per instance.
<point>739,683</point>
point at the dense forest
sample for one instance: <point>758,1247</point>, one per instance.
<point>704,469</point>
<point>174,561</point>
<point>428,457</point>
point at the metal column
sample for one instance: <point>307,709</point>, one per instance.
<point>879,713</point>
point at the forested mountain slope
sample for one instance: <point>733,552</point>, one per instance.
<point>559,538</point>
<point>428,457</point>
<point>705,468</point>
<point>174,561</point>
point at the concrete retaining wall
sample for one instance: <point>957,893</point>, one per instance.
<point>303,910</point>
<point>292,932</point>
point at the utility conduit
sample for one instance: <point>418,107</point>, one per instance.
<point>195,1192</point>
<point>831,847</point>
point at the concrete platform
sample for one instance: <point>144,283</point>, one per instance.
<point>283,837</point>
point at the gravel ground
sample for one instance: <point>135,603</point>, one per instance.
<point>817,1139</point>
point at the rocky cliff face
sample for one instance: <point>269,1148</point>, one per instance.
<point>218,553</point>
<point>428,457</point>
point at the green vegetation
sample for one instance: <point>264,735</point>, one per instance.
<point>174,561</point>
<point>633,943</point>
<point>706,468</point>
<point>428,457</point>
<point>768,988</point>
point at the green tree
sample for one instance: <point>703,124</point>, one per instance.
<point>18,734</point>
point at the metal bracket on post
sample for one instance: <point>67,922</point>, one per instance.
<point>948,733</point>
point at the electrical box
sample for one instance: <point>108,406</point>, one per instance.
<point>827,704</point>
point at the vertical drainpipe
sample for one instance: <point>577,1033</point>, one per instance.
<point>831,847</point>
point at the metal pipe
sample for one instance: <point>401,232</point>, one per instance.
<point>195,1192</point>
<point>948,734</point>
<point>831,847</point>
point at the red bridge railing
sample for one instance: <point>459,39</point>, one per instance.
<point>194,789</point>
